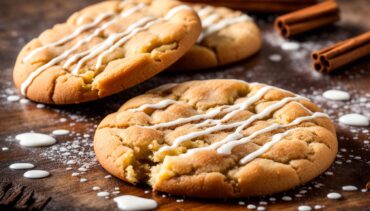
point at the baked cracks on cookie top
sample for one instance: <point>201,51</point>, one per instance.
<point>104,49</point>
<point>227,36</point>
<point>217,139</point>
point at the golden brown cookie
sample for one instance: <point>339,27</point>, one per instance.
<point>217,139</point>
<point>228,36</point>
<point>104,49</point>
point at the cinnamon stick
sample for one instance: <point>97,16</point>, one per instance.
<point>307,19</point>
<point>341,53</point>
<point>260,6</point>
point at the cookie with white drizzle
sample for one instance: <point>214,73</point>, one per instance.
<point>217,139</point>
<point>227,36</point>
<point>104,49</point>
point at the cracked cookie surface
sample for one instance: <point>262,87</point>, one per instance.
<point>217,139</point>
<point>104,49</point>
<point>227,36</point>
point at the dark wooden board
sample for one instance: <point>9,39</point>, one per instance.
<point>21,20</point>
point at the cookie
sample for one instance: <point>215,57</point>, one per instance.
<point>104,49</point>
<point>217,139</point>
<point>228,36</point>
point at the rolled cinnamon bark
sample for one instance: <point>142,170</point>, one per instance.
<point>260,6</point>
<point>307,19</point>
<point>341,53</point>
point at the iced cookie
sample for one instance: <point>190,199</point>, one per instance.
<point>228,36</point>
<point>217,139</point>
<point>104,49</point>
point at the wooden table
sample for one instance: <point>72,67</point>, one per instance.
<point>21,20</point>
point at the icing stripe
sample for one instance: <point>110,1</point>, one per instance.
<point>160,105</point>
<point>111,40</point>
<point>214,112</point>
<point>85,55</point>
<point>75,33</point>
<point>208,21</point>
<point>210,26</point>
<point>226,148</point>
<point>111,43</point>
<point>219,127</point>
<point>220,25</point>
<point>205,11</point>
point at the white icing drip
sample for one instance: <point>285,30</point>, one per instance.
<point>220,25</point>
<point>36,174</point>
<point>60,132</point>
<point>128,202</point>
<point>349,188</point>
<point>103,194</point>
<point>66,53</point>
<point>290,46</point>
<point>240,125</point>
<point>336,95</point>
<point>21,166</point>
<point>354,120</point>
<point>334,195</point>
<point>35,139</point>
<point>304,208</point>
<point>74,34</point>
<point>160,105</point>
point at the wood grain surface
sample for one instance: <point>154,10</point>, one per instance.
<point>21,20</point>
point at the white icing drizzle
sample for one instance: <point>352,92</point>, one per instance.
<point>205,11</point>
<point>111,40</point>
<point>240,125</point>
<point>208,21</point>
<point>214,112</point>
<point>128,202</point>
<point>148,21</point>
<point>210,29</point>
<point>85,56</point>
<point>21,166</point>
<point>175,10</point>
<point>160,105</point>
<point>226,145</point>
<point>226,148</point>
<point>74,34</point>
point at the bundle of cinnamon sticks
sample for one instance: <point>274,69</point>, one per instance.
<point>307,19</point>
<point>260,6</point>
<point>342,53</point>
